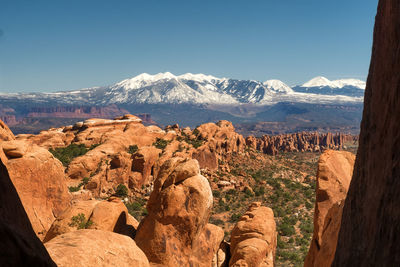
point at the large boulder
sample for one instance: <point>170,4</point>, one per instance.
<point>107,215</point>
<point>95,248</point>
<point>40,182</point>
<point>19,244</point>
<point>254,238</point>
<point>335,169</point>
<point>179,208</point>
<point>370,229</point>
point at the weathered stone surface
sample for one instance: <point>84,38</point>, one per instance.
<point>5,132</point>
<point>335,169</point>
<point>254,237</point>
<point>40,182</point>
<point>207,245</point>
<point>143,162</point>
<point>95,248</point>
<point>221,141</point>
<point>370,229</point>
<point>179,208</point>
<point>19,244</point>
<point>107,215</point>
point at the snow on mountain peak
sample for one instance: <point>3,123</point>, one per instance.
<point>317,81</point>
<point>277,86</point>
<point>349,82</point>
<point>144,79</point>
<point>322,81</point>
<point>199,77</point>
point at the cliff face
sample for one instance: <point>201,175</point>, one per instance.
<point>370,230</point>
<point>19,245</point>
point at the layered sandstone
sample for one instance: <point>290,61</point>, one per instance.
<point>254,238</point>
<point>179,208</point>
<point>19,244</point>
<point>40,182</point>
<point>95,248</point>
<point>370,228</point>
<point>335,169</point>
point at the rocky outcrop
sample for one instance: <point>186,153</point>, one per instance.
<point>221,141</point>
<point>143,162</point>
<point>370,228</point>
<point>179,208</point>
<point>95,248</point>
<point>299,142</point>
<point>107,215</point>
<point>254,238</point>
<point>110,164</point>
<point>335,169</point>
<point>5,132</point>
<point>40,182</point>
<point>19,244</point>
<point>207,247</point>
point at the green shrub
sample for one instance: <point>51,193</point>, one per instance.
<point>67,154</point>
<point>216,221</point>
<point>286,229</point>
<point>133,149</point>
<point>137,209</point>
<point>74,188</point>
<point>235,217</point>
<point>121,191</point>
<point>161,143</point>
<point>216,193</point>
<point>79,221</point>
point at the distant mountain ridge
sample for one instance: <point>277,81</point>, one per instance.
<point>167,88</point>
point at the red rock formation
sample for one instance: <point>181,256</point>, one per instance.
<point>370,229</point>
<point>179,208</point>
<point>108,215</point>
<point>19,245</point>
<point>304,141</point>
<point>5,132</point>
<point>95,248</point>
<point>254,237</point>
<point>40,182</point>
<point>221,141</point>
<point>335,169</point>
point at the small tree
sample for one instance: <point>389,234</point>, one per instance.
<point>121,191</point>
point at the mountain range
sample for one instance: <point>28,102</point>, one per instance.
<point>166,88</point>
<point>191,99</point>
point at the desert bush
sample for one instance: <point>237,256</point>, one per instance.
<point>133,149</point>
<point>67,154</point>
<point>161,143</point>
<point>79,221</point>
<point>121,191</point>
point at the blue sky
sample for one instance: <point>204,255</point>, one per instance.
<point>71,44</point>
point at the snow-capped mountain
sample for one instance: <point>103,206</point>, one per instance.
<point>202,89</point>
<point>323,86</point>
<point>324,82</point>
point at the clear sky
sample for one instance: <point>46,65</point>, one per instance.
<point>71,44</point>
